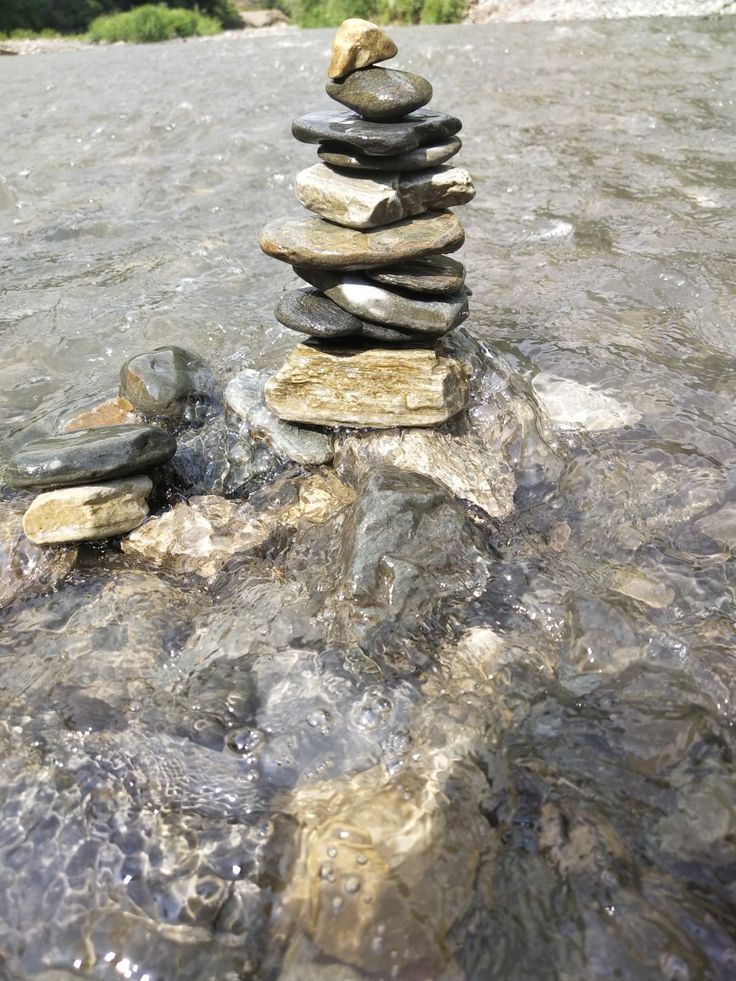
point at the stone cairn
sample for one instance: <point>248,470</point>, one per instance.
<point>381,288</point>
<point>94,478</point>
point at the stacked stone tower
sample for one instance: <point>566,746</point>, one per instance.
<point>382,289</point>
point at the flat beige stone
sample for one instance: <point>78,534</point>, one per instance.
<point>375,387</point>
<point>369,200</point>
<point>314,242</point>
<point>79,514</point>
<point>357,44</point>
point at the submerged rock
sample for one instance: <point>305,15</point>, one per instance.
<point>358,44</point>
<point>26,569</point>
<point>720,526</point>
<point>82,457</point>
<point>460,464</point>
<point>571,405</point>
<point>199,535</point>
<point>407,544</point>
<point>387,866</point>
<point>374,387</point>
<point>77,514</point>
<point>314,242</point>
<point>381,94</point>
<point>431,155</point>
<point>168,383</point>
<point>347,131</point>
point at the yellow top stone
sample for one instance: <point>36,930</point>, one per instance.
<point>358,44</point>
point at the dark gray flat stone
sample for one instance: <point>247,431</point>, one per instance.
<point>423,158</point>
<point>310,312</point>
<point>89,455</point>
<point>381,95</point>
<point>167,383</point>
<point>345,129</point>
<point>436,274</point>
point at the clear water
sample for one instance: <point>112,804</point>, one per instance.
<point>510,755</point>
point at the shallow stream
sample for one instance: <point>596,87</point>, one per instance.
<point>412,741</point>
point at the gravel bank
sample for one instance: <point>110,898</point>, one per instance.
<point>484,11</point>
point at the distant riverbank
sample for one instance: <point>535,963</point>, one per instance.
<point>479,12</point>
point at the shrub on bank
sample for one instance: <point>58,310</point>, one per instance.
<point>318,13</point>
<point>151,23</point>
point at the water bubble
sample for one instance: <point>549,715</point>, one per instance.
<point>361,859</point>
<point>352,884</point>
<point>332,852</point>
<point>327,872</point>
<point>337,903</point>
<point>374,710</point>
<point>319,719</point>
<point>244,741</point>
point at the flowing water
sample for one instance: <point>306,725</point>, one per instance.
<point>412,741</point>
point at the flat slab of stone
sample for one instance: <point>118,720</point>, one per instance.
<point>358,43</point>
<point>358,200</point>
<point>370,301</point>
<point>435,274</point>
<point>88,455</point>
<point>381,95</point>
<point>374,387</point>
<point>314,242</point>
<point>346,129</point>
<point>311,312</point>
<point>424,157</point>
<point>81,514</point>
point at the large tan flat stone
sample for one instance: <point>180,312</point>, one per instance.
<point>374,387</point>
<point>314,242</point>
<point>89,513</point>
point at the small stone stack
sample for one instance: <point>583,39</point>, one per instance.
<point>381,288</point>
<point>97,476</point>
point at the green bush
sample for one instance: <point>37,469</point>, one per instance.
<point>151,23</point>
<point>443,11</point>
<point>318,13</point>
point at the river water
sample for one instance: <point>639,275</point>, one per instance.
<point>443,747</point>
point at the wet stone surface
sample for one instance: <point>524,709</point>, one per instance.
<point>314,242</point>
<point>381,94</point>
<point>169,383</point>
<point>348,130</point>
<point>505,720</point>
<point>88,455</point>
<point>422,158</point>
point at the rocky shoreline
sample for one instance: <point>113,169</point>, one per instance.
<point>479,12</point>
